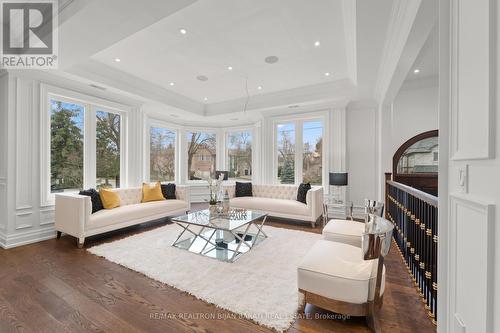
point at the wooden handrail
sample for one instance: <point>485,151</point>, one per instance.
<point>426,197</point>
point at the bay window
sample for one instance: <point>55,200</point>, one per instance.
<point>161,154</point>
<point>239,155</point>
<point>201,155</point>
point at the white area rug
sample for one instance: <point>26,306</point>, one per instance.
<point>261,285</point>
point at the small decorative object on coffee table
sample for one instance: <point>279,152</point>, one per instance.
<point>221,236</point>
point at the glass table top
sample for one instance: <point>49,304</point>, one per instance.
<point>235,219</point>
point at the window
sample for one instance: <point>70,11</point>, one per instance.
<point>286,153</point>
<point>81,143</point>
<point>201,155</point>
<point>108,131</point>
<point>299,152</point>
<point>312,165</point>
<point>66,146</point>
<point>239,155</point>
<point>420,157</point>
<point>161,154</point>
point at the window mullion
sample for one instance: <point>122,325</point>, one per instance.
<point>299,151</point>
<point>89,158</point>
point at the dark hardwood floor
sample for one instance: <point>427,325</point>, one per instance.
<point>53,286</point>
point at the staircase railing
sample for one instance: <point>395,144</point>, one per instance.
<point>415,217</point>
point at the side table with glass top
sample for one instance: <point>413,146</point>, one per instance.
<point>342,210</point>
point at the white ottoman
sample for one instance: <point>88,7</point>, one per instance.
<point>334,276</point>
<point>344,231</point>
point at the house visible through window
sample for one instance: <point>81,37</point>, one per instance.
<point>239,153</point>
<point>201,155</point>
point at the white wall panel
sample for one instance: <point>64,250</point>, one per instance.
<point>471,235</point>
<point>24,143</point>
<point>361,155</point>
<point>472,132</point>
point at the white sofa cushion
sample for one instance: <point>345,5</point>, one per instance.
<point>337,271</point>
<point>131,212</point>
<point>281,206</point>
<point>344,231</point>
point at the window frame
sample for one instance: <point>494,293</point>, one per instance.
<point>227,132</point>
<point>147,147</point>
<point>298,121</point>
<point>208,130</point>
<point>90,104</point>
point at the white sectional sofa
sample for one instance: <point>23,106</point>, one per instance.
<point>73,214</point>
<point>280,201</point>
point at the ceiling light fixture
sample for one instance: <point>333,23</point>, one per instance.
<point>183,31</point>
<point>271,59</point>
<point>205,99</point>
<point>327,74</point>
<point>317,43</point>
<point>230,68</point>
<point>117,60</point>
<point>172,84</point>
<point>259,87</point>
<point>416,71</point>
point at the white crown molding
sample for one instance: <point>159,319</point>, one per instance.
<point>62,79</point>
<point>332,92</point>
<point>402,18</point>
<point>122,82</point>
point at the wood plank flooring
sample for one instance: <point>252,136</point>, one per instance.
<point>53,286</point>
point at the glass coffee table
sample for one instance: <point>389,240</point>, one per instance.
<point>225,237</point>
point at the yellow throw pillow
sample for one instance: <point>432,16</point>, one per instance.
<point>152,192</point>
<point>110,199</point>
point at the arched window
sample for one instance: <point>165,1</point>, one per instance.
<point>416,162</point>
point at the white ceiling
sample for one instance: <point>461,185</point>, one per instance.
<point>145,36</point>
<point>222,33</point>
<point>427,61</point>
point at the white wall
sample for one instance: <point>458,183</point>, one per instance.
<point>3,154</point>
<point>24,217</point>
<point>414,110</point>
<point>361,154</point>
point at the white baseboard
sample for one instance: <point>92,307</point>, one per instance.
<point>27,237</point>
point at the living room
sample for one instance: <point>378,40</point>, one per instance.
<point>200,165</point>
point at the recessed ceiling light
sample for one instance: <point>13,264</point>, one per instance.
<point>327,74</point>
<point>172,84</point>
<point>317,43</point>
<point>205,99</point>
<point>259,87</point>
<point>271,59</point>
<point>416,71</point>
<point>202,78</point>
<point>183,31</point>
<point>230,68</point>
<point>117,60</point>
